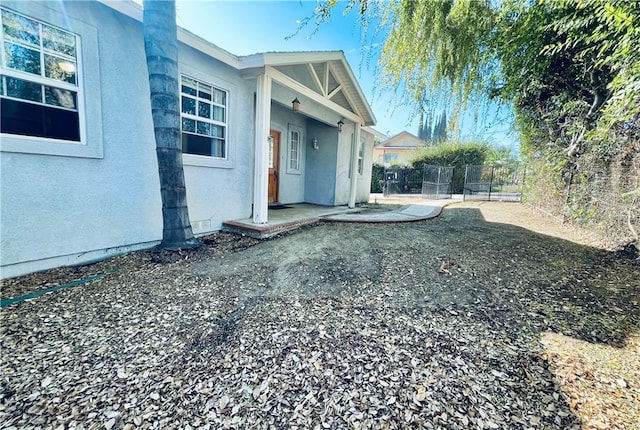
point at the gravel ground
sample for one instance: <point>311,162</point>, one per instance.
<point>432,324</point>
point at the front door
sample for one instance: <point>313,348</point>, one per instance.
<point>274,158</point>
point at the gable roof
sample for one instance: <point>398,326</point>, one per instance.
<point>403,140</point>
<point>324,76</point>
<point>378,135</point>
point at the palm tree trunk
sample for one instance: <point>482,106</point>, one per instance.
<point>161,48</point>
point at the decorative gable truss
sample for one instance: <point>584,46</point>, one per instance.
<point>328,80</point>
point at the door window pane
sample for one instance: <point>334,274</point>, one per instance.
<point>271,160</point>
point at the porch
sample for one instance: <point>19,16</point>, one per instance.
<point>284,218</point>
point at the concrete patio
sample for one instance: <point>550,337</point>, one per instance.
<point>288,217</point>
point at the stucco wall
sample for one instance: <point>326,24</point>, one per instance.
<point>58,209</point>
<point>68,209</point>
<point>65,204</point>
<point>364,180</point>
<point>343,179</point>
<point>292,183</point>
<point>321,164</point>
<point>219,191</point>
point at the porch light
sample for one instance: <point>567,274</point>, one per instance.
<point>340,124</point>
<point>295,105</point>
<point>314,142</point>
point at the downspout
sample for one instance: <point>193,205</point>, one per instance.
<point>354,165</point>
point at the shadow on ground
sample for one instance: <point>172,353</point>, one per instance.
<point>335,325</point>
<point>504,275</point>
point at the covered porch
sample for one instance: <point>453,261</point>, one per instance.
<point>309,143</point>
<point>283,218</point>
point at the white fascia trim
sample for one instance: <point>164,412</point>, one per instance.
<point>356,85</point>
<point>285,80</point>
<point>134,10</point>
<point>288,58</point>
<point>376,133</point>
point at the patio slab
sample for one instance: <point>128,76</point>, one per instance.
<point>292,216</point>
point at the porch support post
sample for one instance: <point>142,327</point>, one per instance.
<point>261,165</point>
<point>354,165</point>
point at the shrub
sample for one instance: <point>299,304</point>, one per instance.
<point>377,175</point>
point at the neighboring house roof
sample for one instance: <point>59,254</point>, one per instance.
<point>403,140</point>
<point>325,76</point>
<point>380,136</point>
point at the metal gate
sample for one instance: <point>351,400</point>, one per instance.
<point>433,182</point>
<point>493,183</point>
<point>437,182</point>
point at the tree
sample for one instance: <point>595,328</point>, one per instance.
<point>440,129</point>
<point>570,70</point>
<point>161,48</point>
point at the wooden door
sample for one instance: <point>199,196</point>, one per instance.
<point>274,159</point>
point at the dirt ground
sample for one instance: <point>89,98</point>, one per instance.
<point>489,316</point>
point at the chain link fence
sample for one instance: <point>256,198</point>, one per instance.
<point>493,183</point>
<point>433,182</point>
<point>604,201</point>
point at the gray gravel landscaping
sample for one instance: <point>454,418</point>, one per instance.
<point>338,326</point>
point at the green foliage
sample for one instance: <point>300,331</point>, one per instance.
<point>377,176</point>
<point>569,68</point>
<point>436,46</point>
<point>453,154</point>
<point>439,134</point>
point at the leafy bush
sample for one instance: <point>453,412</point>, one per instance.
<point>377,175</point>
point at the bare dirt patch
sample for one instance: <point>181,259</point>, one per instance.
<point>334,325</point>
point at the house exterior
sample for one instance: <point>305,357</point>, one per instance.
<point>399,149</point>
<point>78,170</point>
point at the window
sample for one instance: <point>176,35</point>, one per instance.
<point>361,157</point>
<point>294,152</point>
<point>390,157</point>
<point>39,82</point>
<point>294,159</point>
<point>271,152</point>
<point>203,118</point>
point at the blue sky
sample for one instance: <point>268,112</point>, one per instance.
<point>247,27</point>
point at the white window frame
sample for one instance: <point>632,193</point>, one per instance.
<point>295,150</point>
<point>361,157</point>
<point>212,122</point>
<point>87,85</point>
